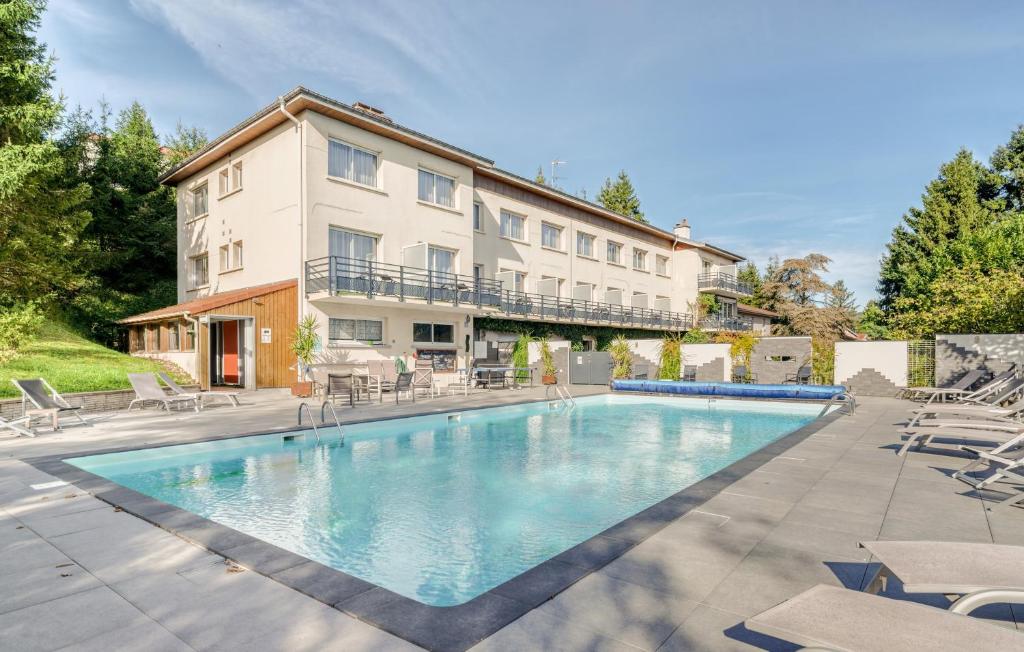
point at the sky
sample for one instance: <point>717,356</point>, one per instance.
<point>776,128</point>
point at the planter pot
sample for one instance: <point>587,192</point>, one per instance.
<point>303,389</point>
<point>549,380</point>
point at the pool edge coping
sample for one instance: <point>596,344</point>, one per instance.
<point>456,627</point>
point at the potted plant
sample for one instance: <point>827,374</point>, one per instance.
<point>549,373</point>
<point>305,342</point>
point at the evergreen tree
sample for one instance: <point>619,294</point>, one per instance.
<point>842,297</point>
<point>620,196</point>
<point>748,274</point>
<point>871,321</point>
<point>38,216</point>
<point>540,178</point>
<point>185,142</point>
<point>1008,163</point>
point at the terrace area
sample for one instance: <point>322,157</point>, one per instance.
<point>79,572</point>
<point>724,284</point>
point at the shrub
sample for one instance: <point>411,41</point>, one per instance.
<point>521,356</point>
<point>622,358</point>
<point>305,342</point>
<point>19,325</point>
<point>671,357</point>
<point>696,336</point>
<point>547,361</point>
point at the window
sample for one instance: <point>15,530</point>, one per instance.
<point>441,260</point>
<point>346,161</point>
<point>478,274</point>
<point>478,219</point>
<point>614,252</point>
<point>705,266</point>
<point>225,261</point>
<point>136,339</point>
<point>639,259</point>
<point>513,226</point>
<point>200,271</point>
<point>585,244</point>
<point>236,176</point>
<point>437,189</point>
<point>190,337</point>
<point>153,341</point>
<point>236,254</point>
<point>550,236</point>
<point>367,331</point>
<point>349,244</point>
<point>661,265</point>
<point>518,281</point>
<point>223,185</point>
<point>173,336</point>
<point>230,179</point>
<point>200,201</point>
<point>434,333</point>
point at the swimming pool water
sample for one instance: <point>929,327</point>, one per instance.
<point>441,511</point>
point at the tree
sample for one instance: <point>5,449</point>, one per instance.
<point>796,288</point>
<point>620,196</point>
<point>38,215</point>
<point>540,178</point>
<point>1008,162</point>
<point>872,322</point>
<point>748,274</point>
<point>185,142</point>
<point>842,297</point>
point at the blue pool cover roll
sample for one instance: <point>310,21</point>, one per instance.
<point>806,392</point>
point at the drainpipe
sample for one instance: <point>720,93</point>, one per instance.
<point>302,221</point>
<point>195,345</point>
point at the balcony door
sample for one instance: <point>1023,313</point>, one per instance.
<point>351,255</point>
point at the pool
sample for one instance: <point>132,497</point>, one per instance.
<point>443,508</point>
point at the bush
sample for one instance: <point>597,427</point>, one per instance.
<point>671,357</point>
<point>19,325</point>
<point>622,358</point>
<point>94,312</point>
<point>521,356</point>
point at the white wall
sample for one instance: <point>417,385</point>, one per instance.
<point>887,358</point>
<point>700,354</point>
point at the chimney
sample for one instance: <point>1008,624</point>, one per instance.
<point>373,111</point>
<point>682,230</point>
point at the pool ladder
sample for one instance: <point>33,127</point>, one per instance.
<point>846,400</point>
<point>563,393</point>
<point>304,407</point>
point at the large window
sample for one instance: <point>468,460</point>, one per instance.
<point>585,244</point>
<point>349,244</point>
<point>437,189</point>
<point>614,252</point>
<point>200,201</point>
<point>230,179</point>
<point>236,254</point>
<point>224,257</point>
<point>661,265</point>
<point>513,226</point>
<point>639,259</point>
<point>441,260</point>
<point>433,333</point>
<point>190,337</point>
<point>346,161</point>
<point>199,271</point>
<point>478,218</point>
<point>367,331</point>
<point>173,336</point>
<point>550,236</point>
<point>518,281</point>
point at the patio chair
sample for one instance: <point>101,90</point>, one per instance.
<point>996,390</point>
<point>423,379</point>
<point>387,375</point>
<point>831,618</point>
<point>980,573</point>
<point>463,383</point>
<point>961,386</point>
<point>46,401</point>
<point>178,390</point>
<point>740,374</point>
<point>801,377</point>
<point>1006,464</point>
<point>147,389</point>
<point>404,384</point>
<point>14,425</point>
<point>690,373</point>
<point>1014,411</point>
<point>1003,432</point>
<point>341,385</point>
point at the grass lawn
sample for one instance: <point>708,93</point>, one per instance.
<point>71,363</point>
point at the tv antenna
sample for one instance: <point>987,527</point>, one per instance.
<point>554,172</point>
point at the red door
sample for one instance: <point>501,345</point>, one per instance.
<point>230,352</point>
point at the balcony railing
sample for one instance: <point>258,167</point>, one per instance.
<point>719,281</point>
<point>718,323</point>
<point>348,276</point>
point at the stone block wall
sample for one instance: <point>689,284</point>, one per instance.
<point>955,355</point>
<point>768,371</point>
<point>872,368</point>
<point>107,401</point>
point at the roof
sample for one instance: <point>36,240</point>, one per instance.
<point>752,310</point>
<point>724,253</point>
<point>212,302</point>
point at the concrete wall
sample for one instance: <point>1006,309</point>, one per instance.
<point>714,364</point>
<point>106,401</point>
<point>955,355</point>
<point>769,371</point>
<point>560,350</point>
<point>872,368</point>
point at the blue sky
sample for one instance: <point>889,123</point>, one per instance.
<point>776,128</point>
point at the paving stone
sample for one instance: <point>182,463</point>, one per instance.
<point>816,540</point>
<point>263,557</point>
<point>321,582</point>
<point>594,552</point>
<point>540,583</point>
<point>51,526</point>
<point>147,635</point>
<point>35,585</point>
<point>28,554</point>
<point>708,628</point>
<point>864,526</point>
<point>537,631</point>
<point>61,622</point>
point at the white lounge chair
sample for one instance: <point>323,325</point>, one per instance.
<point>1002,388</point>
<point>178,390</point>
<point>1006,464</point>
<point>46,401</point>
<point>980,573</point>
<point>148,389</point>
<point>1013,411</point>
<point>959,387</point>
<point>14,425</point>
<point>1002,433</point>
<point>830,618</point>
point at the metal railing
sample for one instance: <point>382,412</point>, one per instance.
<point>347,276</point>
<point>716,322</point>
<point>719,281</point>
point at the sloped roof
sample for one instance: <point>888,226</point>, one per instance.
<point>206,304</point>
<point>752,310</point>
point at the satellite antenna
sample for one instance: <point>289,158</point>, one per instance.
<point>554,175</point>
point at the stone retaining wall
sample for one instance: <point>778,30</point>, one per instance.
<point>106,401</point>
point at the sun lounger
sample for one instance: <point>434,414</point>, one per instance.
<point>46,401</point>
<point>14,425</point>
<point>1002,433</point>
<point>830,618</point>
<point>147,389</point>
<point>1012,411</point>
<point>982,573</point>
<point>178,390</point>
<point>1002,388</point>
<point>1006,464</point>
<point>961,386</point>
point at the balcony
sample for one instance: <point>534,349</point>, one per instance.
<point>339,276</point>
<point>724,284</point>
<point>719,323</point>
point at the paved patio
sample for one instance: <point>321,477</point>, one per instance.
<point>80,575</point>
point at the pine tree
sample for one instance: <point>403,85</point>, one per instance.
<point>620,196</point>
<point>185,142</point>
<point>748,274</point>
<point>1008,162</point>
<point>540,178</point>
<point>842,297</point>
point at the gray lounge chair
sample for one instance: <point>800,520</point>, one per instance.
<point>14,425</point>
<point>1006,464</point>
<point>1004,433</point>
<point>961,386</point>
<point>1012,411</point>
<point>147,390</point>
<point>980,573</point>
<point>178,390</point>
<point>999,389</point>
<point>830,618</point>
<point>46,399</point>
